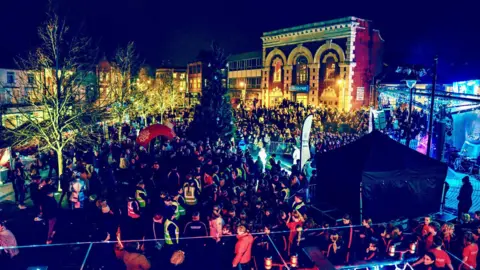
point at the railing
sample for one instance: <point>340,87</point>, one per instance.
<point>274,147</point>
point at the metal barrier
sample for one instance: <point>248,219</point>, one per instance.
<point>274,147</point>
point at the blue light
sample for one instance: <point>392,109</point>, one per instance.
<point>467,87</point>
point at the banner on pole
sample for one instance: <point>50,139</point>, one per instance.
<point>305,148</point>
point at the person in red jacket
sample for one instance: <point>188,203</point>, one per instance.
<point>469,253</point>
<point>243,249</point>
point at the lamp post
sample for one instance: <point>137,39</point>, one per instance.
<point>341,83</point>
<point>411,85</point>
<point>432,103</point>
<point>244,91</point>
<point>413,74</point>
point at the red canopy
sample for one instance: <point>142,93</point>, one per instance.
<point>153,131</point>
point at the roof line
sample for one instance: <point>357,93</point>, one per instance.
<point>312,25</point>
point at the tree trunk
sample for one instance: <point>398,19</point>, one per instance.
<point>120,134</point>
<point>161,118</point>
<point>60,168</point>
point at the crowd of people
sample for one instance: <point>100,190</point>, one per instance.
<point>281,126</point>
<point>183,204</point>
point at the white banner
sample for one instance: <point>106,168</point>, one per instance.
<point>305,150</point>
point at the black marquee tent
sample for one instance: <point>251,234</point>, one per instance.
<point>396,181</point>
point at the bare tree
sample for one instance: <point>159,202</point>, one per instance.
<point>57,75</point>
<point>121,92</point>
<point>142,102</point>
<point>163,93</point>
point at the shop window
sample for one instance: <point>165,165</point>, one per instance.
<point>277,73</point>
<point>302,70</point>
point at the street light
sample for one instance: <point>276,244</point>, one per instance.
<point>244,91</point>
<point>411,85</point>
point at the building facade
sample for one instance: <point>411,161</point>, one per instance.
<point>245,78</point>
<point>329,63</point>
<point>195,82</point>
<point>179,80</point>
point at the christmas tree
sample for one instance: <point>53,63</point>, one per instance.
<point>213,117</point>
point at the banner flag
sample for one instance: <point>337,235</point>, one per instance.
<point>305,148</point>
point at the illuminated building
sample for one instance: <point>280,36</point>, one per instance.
<point>18,93</point>
<point>105,78</point>
<point>195,82</point>
<point>330,63</point>
<point>179,78</point>
<point>471,87</point>
<point>245,77</point>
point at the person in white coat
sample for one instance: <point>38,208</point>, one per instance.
<point>263,157</point>
<point>296,155</point>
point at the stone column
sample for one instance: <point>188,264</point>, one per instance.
<point>343,94</point>
<point>313,93</point>
<point>350,56</point>
<point>287,81</point>
<point>265,86</point>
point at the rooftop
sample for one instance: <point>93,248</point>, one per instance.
<point>312,25</point>
<point>247,55</point>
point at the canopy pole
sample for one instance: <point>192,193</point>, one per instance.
<point>361,202</point>
<point>442,203</point>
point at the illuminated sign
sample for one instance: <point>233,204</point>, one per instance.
<point>299,88</point>
<point>471,87</point>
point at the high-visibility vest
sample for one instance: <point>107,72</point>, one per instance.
<point>298,206</point>
<point>179,210</point>
<point>189,192</point>
<point>168,238</point>
<point>287,193</point>
<point>141,202</point>
<point>131,211</point>
<point>240,173</point>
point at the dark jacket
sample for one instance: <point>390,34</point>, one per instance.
<point>466,192</point>
<point>49,207</point>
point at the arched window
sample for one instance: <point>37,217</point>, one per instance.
<point>301,68</point>
<point>277,72</point>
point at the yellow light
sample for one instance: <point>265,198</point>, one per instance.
<point>242,84</point>
<point>181,88</point>
<point>268,263</point>
<point>391,251</point>
<point>340,82</point>
<point>294,260</point>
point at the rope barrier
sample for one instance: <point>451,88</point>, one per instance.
<point>458,259</point>
<point>278,252</point>
<point>86,256</point>
<point>180,238</point>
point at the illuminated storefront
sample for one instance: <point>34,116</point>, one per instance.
<point>305,63</point>
<point>471,87</point>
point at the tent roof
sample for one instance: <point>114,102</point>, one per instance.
<point>376,152</point>
<point>393,176</point>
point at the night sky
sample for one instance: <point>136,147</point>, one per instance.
<point>177,30</point>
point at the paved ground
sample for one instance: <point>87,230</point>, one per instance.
<point>454,179</point>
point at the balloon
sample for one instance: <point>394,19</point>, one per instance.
<point>149,133</point>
